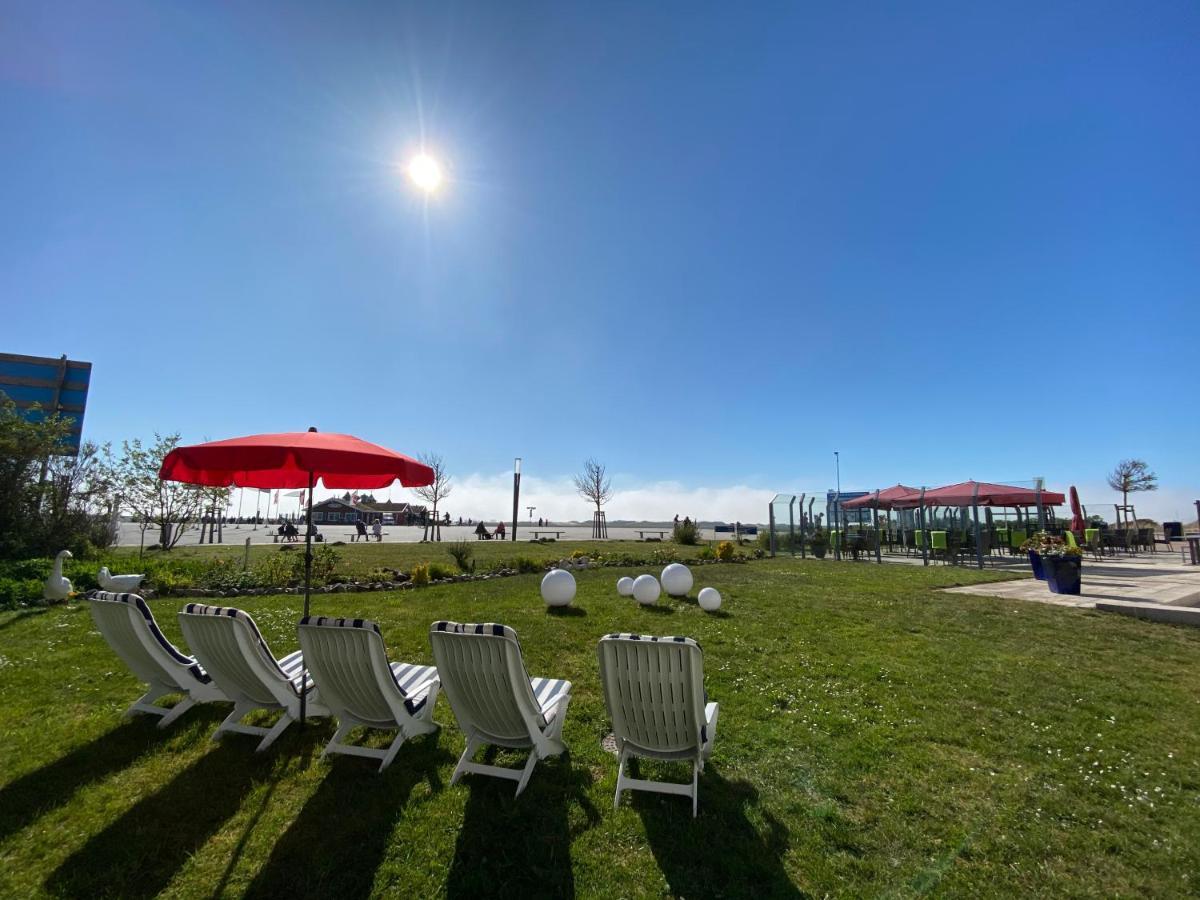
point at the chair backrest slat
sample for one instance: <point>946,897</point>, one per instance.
<point>349,663</point>
<point>483,676</point>
<point>129,628</point>
<point>233,652</point>
<point>654,689</point>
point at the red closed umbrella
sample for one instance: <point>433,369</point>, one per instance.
<point>294,460</point>
<point>1077,523</point>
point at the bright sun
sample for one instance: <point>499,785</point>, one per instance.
<point>425,172</point>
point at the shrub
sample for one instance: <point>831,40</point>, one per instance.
<point>462,552</point>
<point>440,570</point>
<point>706,553</point>
<point>419,574</point>
<point>725,551</point>
<point>578,554</point>
<point>278,570</point>
<point>324,564</point>
<point>17,591</point>
<point>686,533</point>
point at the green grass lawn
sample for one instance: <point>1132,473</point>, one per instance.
<point>877,737</point>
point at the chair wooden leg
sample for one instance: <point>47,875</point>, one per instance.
<point>284,721</point>
<point>465,759</point>
<point>176,711</point>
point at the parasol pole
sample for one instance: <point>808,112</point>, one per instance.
<point>307,585</point>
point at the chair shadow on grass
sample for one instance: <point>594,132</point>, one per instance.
<point>336,843</point>
<point>521,845</point>
<point>722,852</point>
<point>31,795</point>
<point>138,854</point>
<point>23,615</point>
<point>565,611</point>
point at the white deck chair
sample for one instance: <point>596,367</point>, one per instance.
<point>350,667</point>
<point>229,645</point>
<point>127,625</point>
<point>494,699</point>
<point>654,690</point>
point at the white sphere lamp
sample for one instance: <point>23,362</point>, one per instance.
<point>645,590</point>
<point>558,587</point>
<point>710,599</point>
<point>625,586</point>
<point>677,579</point>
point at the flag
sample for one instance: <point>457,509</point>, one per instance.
<point>301,493</point>
<point>354,499</point>
<point>277,496</point>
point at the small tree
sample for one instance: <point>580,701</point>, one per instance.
<point>48,499</point>
<point>1131,476</point>
<point>158,502</point>
<point>434,493</point>
<point>593,484</point>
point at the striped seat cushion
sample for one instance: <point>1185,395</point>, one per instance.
<point>140,605</point>
<point>291,667</point>
<point>490,628</point>
<point>626,636</point>
<point>411,680</point>
<point>547,692</point>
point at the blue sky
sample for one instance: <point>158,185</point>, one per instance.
<point>706,244</point>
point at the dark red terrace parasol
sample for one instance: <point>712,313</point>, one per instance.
<point>881,499</point>
<point>294,460</point>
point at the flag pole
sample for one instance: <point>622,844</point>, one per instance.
<point>307,584</point>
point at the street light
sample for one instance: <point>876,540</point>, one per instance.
<point>516,493</point>
<point>531,509</point>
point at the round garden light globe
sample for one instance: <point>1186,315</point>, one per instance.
<point>645,590</point>
<point>558,587</point>
<point>677,579</point>
<point>710,599</point>
<point>625,586</point>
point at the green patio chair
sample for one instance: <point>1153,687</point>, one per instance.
<point>1016,538</point>
<point>939,544</point>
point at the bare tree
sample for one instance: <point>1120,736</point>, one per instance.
<point>593,483</point>
<point>163,503</point>
<point>434,493</point>
<point>1130,476</point>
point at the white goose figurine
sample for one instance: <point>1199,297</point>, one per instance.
<point>119,584</point>
<point>57,587</point>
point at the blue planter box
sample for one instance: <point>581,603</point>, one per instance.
<point>1063,573</point>
<point>1035,562</point>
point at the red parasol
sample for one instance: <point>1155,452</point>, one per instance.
<point>881,499</point>
<point>1077,523</point>
<point>294,460</point>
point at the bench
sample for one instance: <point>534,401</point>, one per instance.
<point>642,535</point>
<point>538,532</point>
<point>354,535</point>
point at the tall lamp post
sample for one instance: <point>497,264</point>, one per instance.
<point>516,493</point>
<point>837,549</point>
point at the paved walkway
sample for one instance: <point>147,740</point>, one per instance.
<point>1159,578</point>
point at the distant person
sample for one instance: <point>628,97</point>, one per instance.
<point>687,520</point>
<point>282,530</point>
<point>500,529</point>
<point>361,527</point>
<point>676,518</point>
<point>481,531</point>
<point>377,530</point>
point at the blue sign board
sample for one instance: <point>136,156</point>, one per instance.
<point>39,386</point>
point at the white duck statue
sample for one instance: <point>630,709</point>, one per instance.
<point>57,587</point>
<point>119,584</point>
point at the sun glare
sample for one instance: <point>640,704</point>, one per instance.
<point>425,172</point>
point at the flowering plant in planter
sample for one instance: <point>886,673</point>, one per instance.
<point>1049,545</point>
